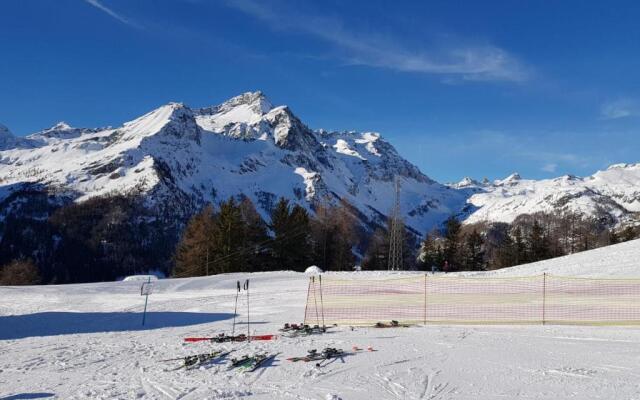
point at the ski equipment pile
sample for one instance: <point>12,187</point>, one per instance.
<point>393,324</point>
<point>293,330</point>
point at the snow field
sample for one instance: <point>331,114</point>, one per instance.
<point>86,342</point>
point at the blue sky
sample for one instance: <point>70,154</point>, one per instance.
<point>471,88</point>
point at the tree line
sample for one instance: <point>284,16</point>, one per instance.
<point>101,239</point>
<point>529,238</point>
<point>106,238</point>
<point>234,238</point>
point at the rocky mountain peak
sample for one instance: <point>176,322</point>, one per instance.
<point>256,101</point>
<point>4,131</point>
<point>60,126</point>
<point>511,179</point>
<point>6,137</point>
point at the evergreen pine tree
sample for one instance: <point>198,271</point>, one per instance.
<point>431,253</point>
<point>520,250</point>
<point>254,238</point>
<point>474,256</point>
<point>538,243</point>
<point>452,243</point>
<point>291,245</point>
<point>377,254</point>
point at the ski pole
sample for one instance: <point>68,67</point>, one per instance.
<point>235,310</point>
<point>246,287</point>
<point>146,299</point>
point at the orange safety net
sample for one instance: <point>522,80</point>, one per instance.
<point>423,299</point>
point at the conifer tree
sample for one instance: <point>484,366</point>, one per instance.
<point>431,251</point>
<point>255,238</point>
<point>538,243</point>
<point>452,242</point>
<point>377,254</point>
<point>291,244</point>
<point>196,246</point>
<point>228,239</point>
<point>473,252</point>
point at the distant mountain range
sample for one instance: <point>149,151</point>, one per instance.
<point>180,158</point>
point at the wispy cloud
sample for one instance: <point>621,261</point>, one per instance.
<point>620,108</point>
<point>550,167</point>
<point>112,13</point>
<point>473,63</point>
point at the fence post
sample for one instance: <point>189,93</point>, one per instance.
<point>544,297</point>
<point>306,306</point>
<point>315,300</point>
<point>322,304</point>
<point>425,299</point>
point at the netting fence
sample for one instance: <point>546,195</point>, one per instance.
<point>424,299</point>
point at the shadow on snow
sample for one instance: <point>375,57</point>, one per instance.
<point>65,323</point>
<point>25,396</point>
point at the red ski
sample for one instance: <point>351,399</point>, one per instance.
<point>224,338</point>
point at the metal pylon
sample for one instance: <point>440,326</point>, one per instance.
<point>395,234</point>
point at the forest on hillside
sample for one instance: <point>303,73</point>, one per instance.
<point>107,238</point>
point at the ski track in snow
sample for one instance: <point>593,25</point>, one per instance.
<point>116,359</point>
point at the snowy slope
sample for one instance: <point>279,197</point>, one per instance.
<point>179,155</point>
<point>612,194</point>
<point>85,342</point>
<point>616,261</point>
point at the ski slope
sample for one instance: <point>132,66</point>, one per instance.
<point>617,261</point>
<point>86,342</point>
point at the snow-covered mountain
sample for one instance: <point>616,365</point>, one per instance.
<point>181,158</point>
<point>612,194</point>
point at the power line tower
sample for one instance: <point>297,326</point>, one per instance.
<point>395,234</point>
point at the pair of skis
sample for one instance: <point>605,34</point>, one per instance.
<point>249,363</point>
<point>393,324</point>
<point>294,330</point>
<point>197,360</point>
<point>222,338</point>
<point>313,355</point>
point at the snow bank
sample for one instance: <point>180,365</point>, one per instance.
<point>137,278</point>
<point>616,261</point>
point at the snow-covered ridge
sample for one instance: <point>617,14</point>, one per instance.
<point>184,157</point>
<point>612,194</point>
